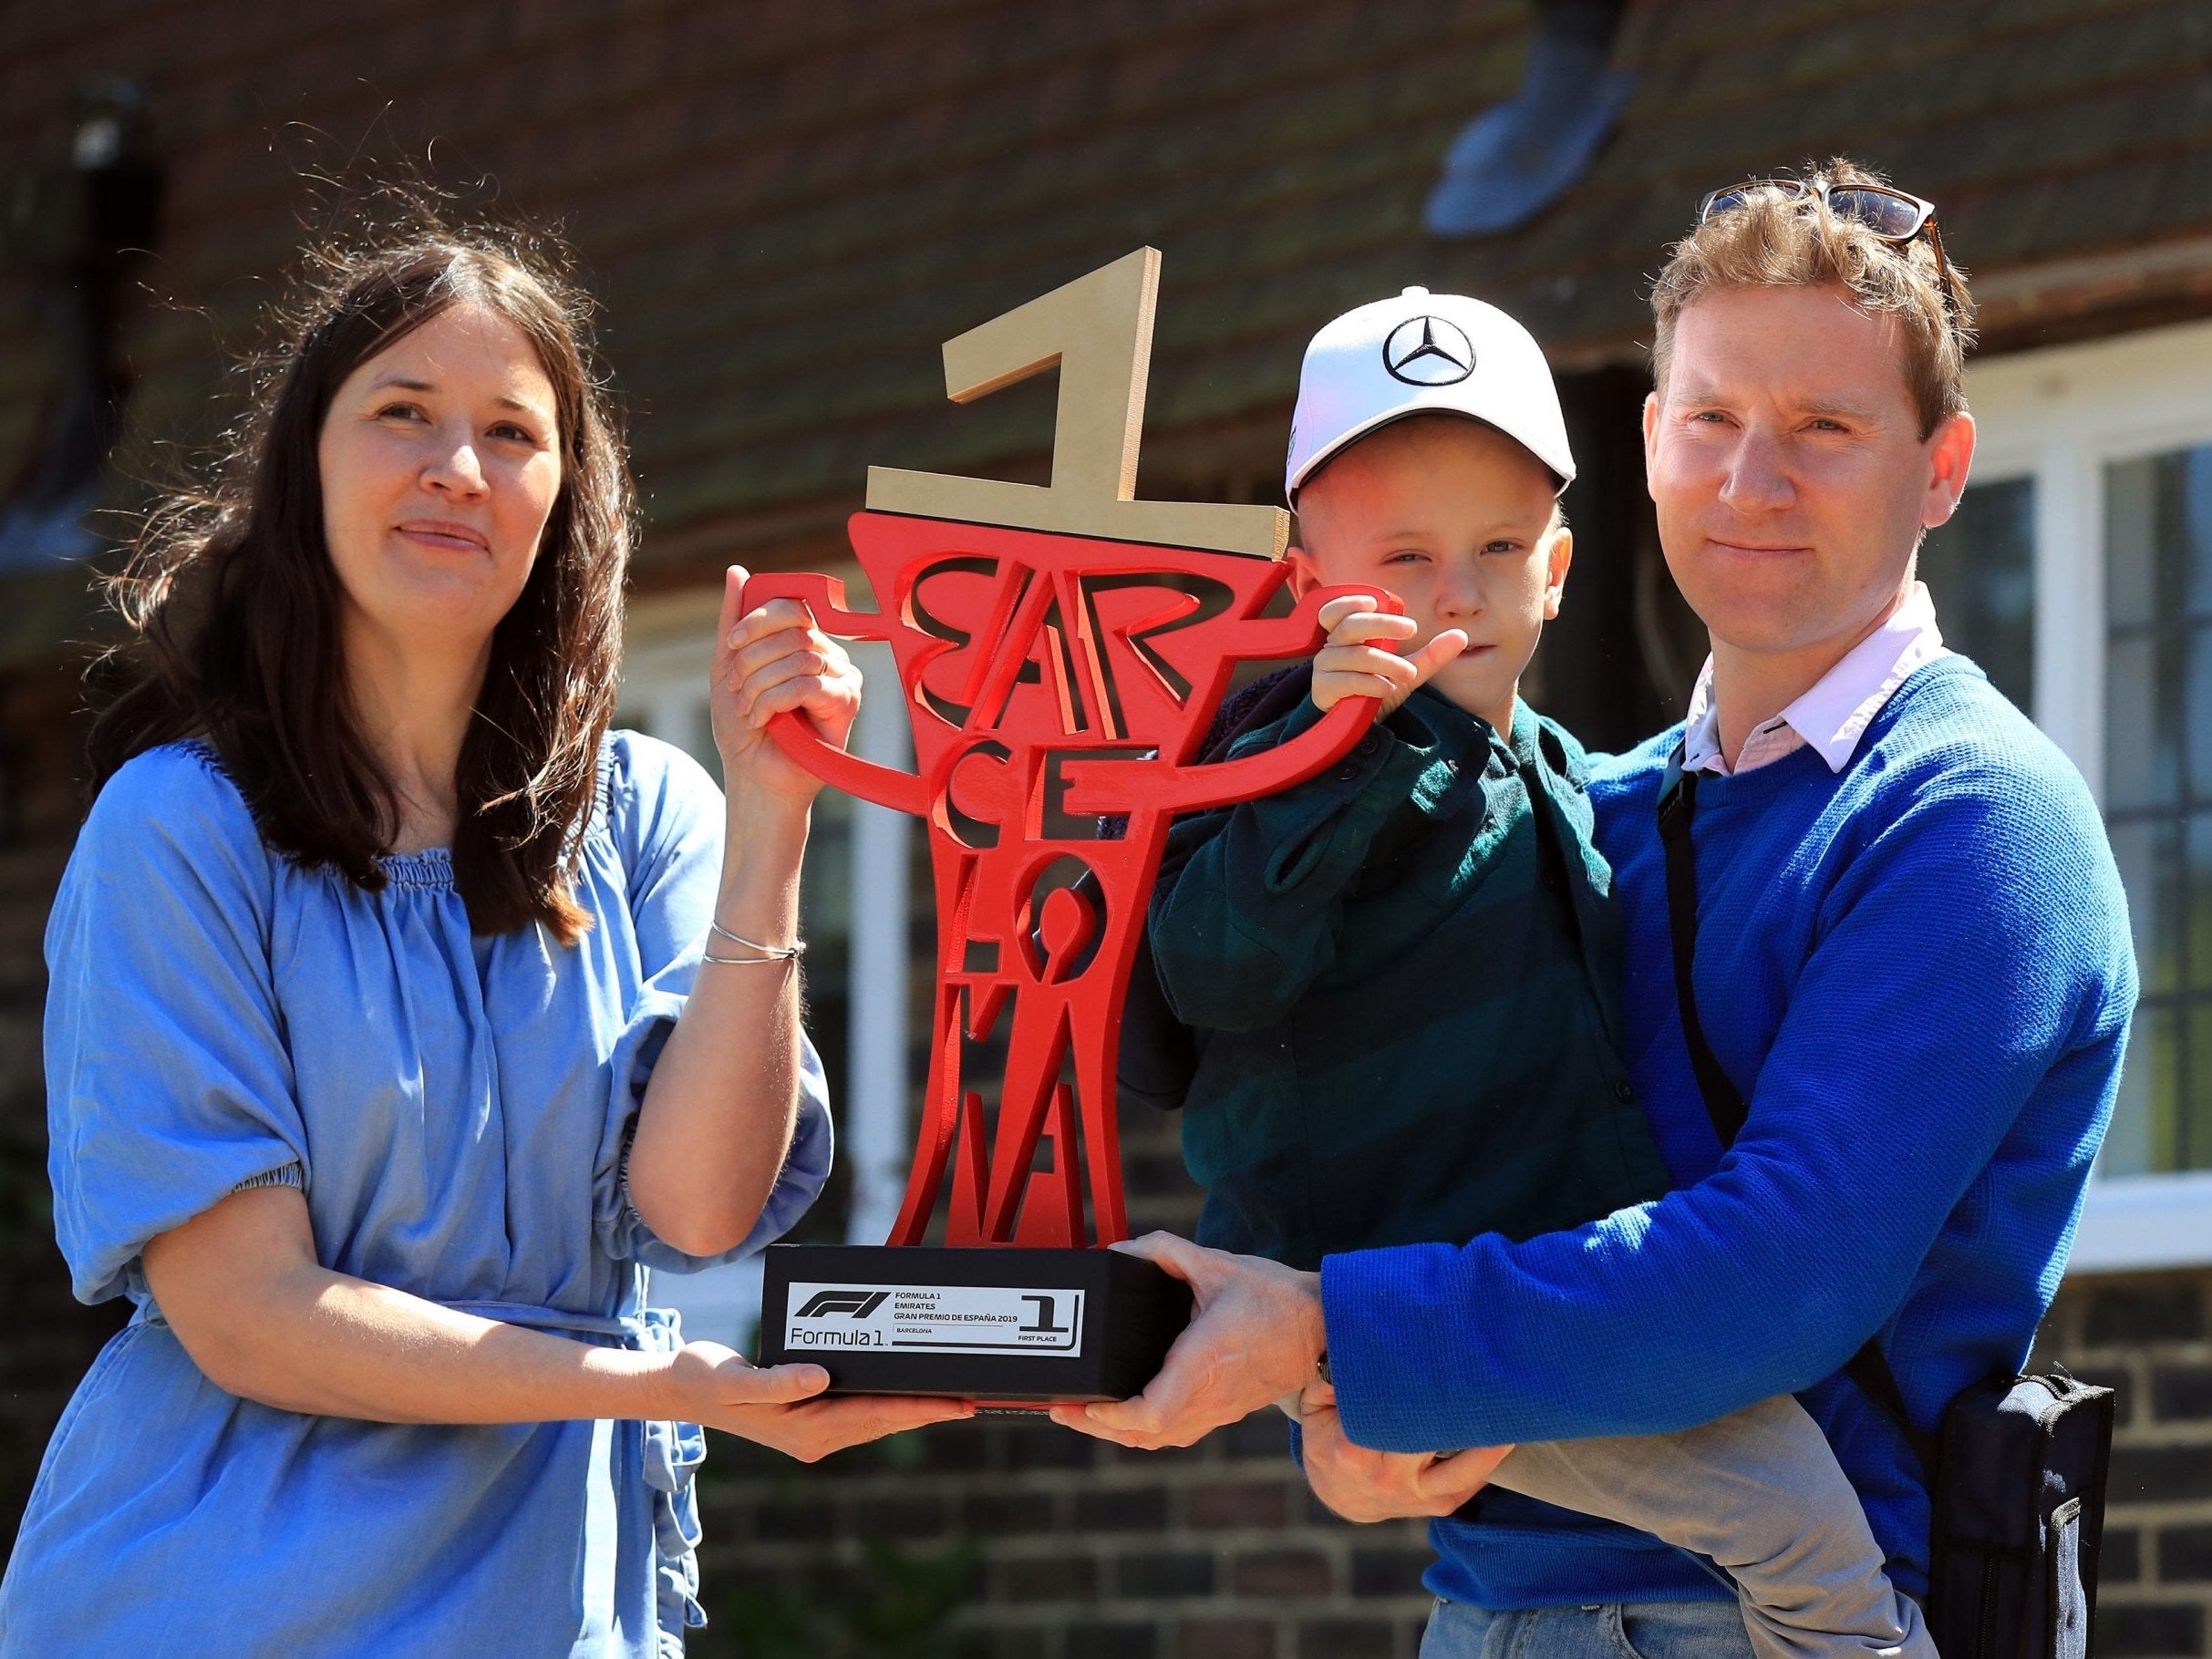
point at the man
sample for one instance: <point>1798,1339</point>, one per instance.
<point>1913,961</point>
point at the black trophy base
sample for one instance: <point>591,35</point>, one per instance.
<point>989,1322</point>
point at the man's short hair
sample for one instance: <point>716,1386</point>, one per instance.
<point>1775,240</point>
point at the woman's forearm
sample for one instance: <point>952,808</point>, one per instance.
<point>719,1111</point>
<point>241,1286</point>
<point>338,1347</point>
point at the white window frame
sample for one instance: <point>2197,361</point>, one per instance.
<point>2059,416</point>
<point>670,641</point>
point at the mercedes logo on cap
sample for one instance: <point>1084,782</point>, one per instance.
<point>1428,351</point>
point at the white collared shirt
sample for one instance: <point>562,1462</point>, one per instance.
<point>1834,714</point>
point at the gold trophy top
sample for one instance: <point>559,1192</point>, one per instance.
<point>1098,330</point>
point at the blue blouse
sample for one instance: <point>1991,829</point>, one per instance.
<point>456,1110</point>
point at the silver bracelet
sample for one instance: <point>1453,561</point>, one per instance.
<point>768,952</point>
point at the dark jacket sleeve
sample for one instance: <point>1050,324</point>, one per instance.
<point>1249,898</point>
<point>1158,1054</point>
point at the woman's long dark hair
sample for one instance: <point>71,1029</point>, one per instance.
<point>232,605</point>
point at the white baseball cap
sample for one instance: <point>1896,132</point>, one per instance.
<point>1423,353</point>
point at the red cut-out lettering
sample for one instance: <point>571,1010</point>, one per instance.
<point>1053,680</point>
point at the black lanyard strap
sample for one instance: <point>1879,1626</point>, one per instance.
<point>1724,1102</point>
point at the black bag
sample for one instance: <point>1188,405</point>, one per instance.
<point>2020,1518</point>
<point>2018,1473</point>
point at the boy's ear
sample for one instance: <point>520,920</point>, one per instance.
<point>1304,577</point>
<point>1561,555</point>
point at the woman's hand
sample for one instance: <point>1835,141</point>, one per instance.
<point>1366,1486</point>
<point>1354,661</point>
<point>777,1406</point>
<point>768,661</point>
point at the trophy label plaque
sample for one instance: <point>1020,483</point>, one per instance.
<point>1062,650</point>
<point>1006,1325</point>
<point>934,1318</point>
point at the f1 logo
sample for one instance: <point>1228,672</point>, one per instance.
<point>858,1303</point>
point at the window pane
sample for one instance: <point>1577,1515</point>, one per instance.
<point>2149,855</point>
<point>2141,1141</point>
<point>2129,601</point>
<point>2191,1117</point>
<point>2160,507</point>
<point>2127,1144</point>
<point>2142,722</point>
<point>2192,711</point>
<point>1981,570</point>
<point>2158,795</point>
<point>2184,524</point>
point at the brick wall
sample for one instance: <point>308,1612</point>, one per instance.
<point>1053,1547</point>
<point>2149,1337</point>
<point>49,1338</point>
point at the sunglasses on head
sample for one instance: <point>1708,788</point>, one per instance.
<point>1892,215</point>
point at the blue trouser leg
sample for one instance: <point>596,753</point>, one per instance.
<point>1638,1630</point>
<point>1760,1493</point>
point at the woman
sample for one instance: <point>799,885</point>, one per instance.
<point>401,1017</point>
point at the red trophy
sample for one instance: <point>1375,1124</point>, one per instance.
<point>1061,652</point>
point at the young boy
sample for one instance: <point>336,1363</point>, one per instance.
<point>1400,977</point>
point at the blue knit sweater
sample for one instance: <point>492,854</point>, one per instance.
<point>1919,972</point>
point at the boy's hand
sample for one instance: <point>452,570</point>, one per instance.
<point>1353,663</point>
<point>1369,1485</point>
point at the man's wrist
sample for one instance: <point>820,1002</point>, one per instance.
<point>1313,1328</point>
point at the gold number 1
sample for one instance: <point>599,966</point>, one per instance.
<point>1098,330</point>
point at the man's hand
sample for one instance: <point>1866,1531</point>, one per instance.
<point>1255,1338</point>
<point>1367,1486</point>
<point>720,1388</point>
<point>1356,662</point>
